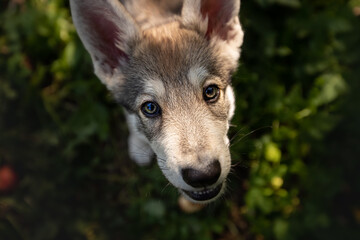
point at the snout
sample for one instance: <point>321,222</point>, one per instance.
<point>203,180</point>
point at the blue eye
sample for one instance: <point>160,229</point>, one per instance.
<point>150,109</point>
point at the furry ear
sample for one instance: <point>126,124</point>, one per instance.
<point>105,28</point>
<point>218,21</point>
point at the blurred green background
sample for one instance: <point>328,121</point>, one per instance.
<point>66,173</point>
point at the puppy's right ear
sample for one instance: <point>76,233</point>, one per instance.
<point>106,30</point>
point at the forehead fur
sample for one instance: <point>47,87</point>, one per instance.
<point>169,51</point>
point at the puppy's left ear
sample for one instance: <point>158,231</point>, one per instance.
<point>218,21</point>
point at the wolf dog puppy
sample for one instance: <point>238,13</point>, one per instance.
<point>169,64</point>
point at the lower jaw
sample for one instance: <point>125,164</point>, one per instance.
<point>204,196</point>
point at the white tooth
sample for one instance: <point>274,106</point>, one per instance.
<point>206,191</point>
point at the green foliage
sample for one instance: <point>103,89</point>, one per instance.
<point>295,144</point>
<point>291,80</point>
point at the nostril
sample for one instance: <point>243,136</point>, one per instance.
<point>201,178</point>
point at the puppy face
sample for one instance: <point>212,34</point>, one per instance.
<point>172,74</point>
<point>183,108</point>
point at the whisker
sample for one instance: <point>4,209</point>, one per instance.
<point>248,134</point>
<point>240,163</point>
<point>167,185</point>
<point>236,134</point>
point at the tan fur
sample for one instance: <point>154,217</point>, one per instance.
<point>168,52</point>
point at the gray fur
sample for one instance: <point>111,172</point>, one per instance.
<point>155,46</point>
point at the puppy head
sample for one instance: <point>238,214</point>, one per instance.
<point>175,78</point>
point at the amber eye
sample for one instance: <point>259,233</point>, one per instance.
<point>211,93</point>
<point>150,109</point>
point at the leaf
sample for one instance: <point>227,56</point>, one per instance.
<point>328,87</point>
<point>272,153</point>
<point>155,208</point>
<point>280,228</point>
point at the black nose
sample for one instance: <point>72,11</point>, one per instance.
<point>201,178</point>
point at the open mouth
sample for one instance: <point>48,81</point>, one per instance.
<point>204,195</point>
